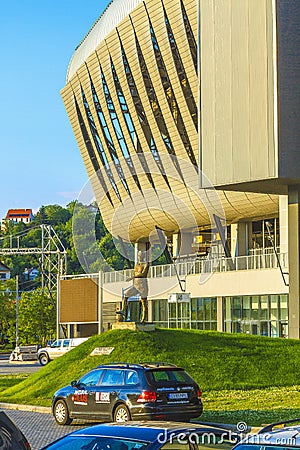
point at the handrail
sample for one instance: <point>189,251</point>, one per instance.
<point>198,266</point>
<point>204,265</point>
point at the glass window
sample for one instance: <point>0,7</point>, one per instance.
<point>56,344</point>
<point>131,377</point>
<point>236,327</point>
<point>274,329</point>
<point>283,307</point>
<point>66,343</point>
<point>227,308</point>
<point>274,312</point>
<point>201,309</point>
<point>254,307</point>
<point>283,330</point>
<point>264,307</point>
<point>171,98</point>
<point>142,115</point>
<point>207,309</point>
<point>236,303</point>
<point>264,329</point>
<point>213,309</point>
<point>246,308</point>
<point>92,442</point>
<point>190,36</point>
<point>184,82</point>
<point>91,378</point>
<point>168,375</point>
<point>112,377</point>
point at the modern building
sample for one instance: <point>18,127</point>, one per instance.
<point>186,114</point>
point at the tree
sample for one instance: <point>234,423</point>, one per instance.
<point>7,311</point>
<point>37,317</point>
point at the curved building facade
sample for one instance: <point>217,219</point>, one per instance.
<point>132,96</point>
<point>158,114</point>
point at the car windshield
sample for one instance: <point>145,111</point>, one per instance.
<point>165,376</point>
<point>96,443</point>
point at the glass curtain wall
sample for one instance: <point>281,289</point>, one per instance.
<point>199,313</point>
<point>265,315</point>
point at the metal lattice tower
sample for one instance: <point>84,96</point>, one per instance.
<point>53,255</point>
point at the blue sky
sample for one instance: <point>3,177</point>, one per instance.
<point>40,160</point>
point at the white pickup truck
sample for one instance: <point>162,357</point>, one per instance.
<point>58,348</point>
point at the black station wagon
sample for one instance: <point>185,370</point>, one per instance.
<point>120,392</point>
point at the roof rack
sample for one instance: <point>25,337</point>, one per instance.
<point>273,425</point>
<point>138,365</point>
<point>158,364</point>
<point>120,364</point>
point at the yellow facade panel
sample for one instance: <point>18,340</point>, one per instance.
<point>78,300</point>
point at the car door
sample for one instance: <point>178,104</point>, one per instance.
<point>81,399</point>
<point>107,392</point>
<point>55,349</point>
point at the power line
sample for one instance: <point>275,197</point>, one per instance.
<point>52,253</point>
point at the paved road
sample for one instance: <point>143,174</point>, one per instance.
<point>41,429</point>
<point>7,367</point>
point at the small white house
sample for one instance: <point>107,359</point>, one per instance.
<point>4,272</point>
<point>20,215</point>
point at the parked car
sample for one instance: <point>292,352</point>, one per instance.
<point>11,437</point>
<point>57,348</point>
<point>286,437</point>
<point>122,392</point>
<point>150,435</point>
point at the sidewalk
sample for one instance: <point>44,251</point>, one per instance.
<point>31,408</point>
<point>47,410</point>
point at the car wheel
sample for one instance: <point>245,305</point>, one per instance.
<point>43,359</point>
<point>121,414</point>
<point>61,413</point>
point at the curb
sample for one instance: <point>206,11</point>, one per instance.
<point>31,408</point>
<point>48,410</point>
<point>229,426</point>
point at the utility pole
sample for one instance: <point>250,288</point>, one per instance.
<point>17,310</point>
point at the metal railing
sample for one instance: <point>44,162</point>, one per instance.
<point>251,262</point>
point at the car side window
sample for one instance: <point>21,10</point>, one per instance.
<point>91,378</point>
<point>113,377</point>
<point>66,343</point>
<point>56,344</point>
<point>131,377</point>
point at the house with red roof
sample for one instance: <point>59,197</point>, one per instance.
<point>20,215</point>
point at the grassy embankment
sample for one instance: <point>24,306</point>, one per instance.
<point>243,378</point>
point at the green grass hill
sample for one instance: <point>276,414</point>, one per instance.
<point>242,377</point>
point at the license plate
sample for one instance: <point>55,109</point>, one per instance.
<point>178,396</point>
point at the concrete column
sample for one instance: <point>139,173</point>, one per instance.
<point>220,315</point>
<point>244,238</point>
<point>233,239</point>
<point>294,257</point>
<point>175,245</point>
<point>283,223</point>
<point>150,310</point>
<point>186,241</point>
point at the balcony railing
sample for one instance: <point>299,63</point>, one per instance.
<point>251,262</point>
